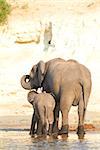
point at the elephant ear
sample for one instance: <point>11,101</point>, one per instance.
<point>41,70</point>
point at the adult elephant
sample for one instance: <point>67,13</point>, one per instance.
<point>62,79</point>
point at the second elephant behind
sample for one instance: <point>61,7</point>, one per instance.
<point>43,104</point>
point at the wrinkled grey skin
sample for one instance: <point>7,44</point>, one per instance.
<point>43,104</point>
<point>62,78</point>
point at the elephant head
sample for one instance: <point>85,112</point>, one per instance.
<point>35,78</point>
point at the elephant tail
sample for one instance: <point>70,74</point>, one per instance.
<point>86,88</point>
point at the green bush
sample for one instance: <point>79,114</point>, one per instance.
<point>5,9</point>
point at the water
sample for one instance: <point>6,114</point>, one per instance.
<point>16,140</point>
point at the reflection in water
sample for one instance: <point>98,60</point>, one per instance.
<point>15,140</point>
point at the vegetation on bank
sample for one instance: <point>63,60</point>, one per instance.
<point>5,9</point>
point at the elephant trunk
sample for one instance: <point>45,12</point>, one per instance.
<point>26,85</point>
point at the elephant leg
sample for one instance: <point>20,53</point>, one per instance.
<point>65,126</point>
<point>42,121</point>
<point>39,127</point>
<point>56,118</point>
<point>50,117</point>
<point>44,129</point>
<point>81,115</point>
<point>50,129</point>
<point>65,105</point>
<point>33,123</point>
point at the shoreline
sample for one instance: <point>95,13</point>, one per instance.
<point>23,123</point>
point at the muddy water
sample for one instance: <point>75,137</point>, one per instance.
<point>15,140</point>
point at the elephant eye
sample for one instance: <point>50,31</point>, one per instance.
<point>32,70</point>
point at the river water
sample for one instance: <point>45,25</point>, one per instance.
<point>16,140</point>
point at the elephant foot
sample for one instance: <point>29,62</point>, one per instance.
<point>50,130</point>
<point>55,129</point>
<point>80,132</point>
<point>31,133</point>
<point>64,130</point>
<point>39,133</point>
<point>44,131</point>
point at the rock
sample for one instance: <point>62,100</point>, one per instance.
<point>24,38</point>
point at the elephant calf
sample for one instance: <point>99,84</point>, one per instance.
<point>43,104</point>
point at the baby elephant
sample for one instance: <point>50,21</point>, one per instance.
<point>43,104</point>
